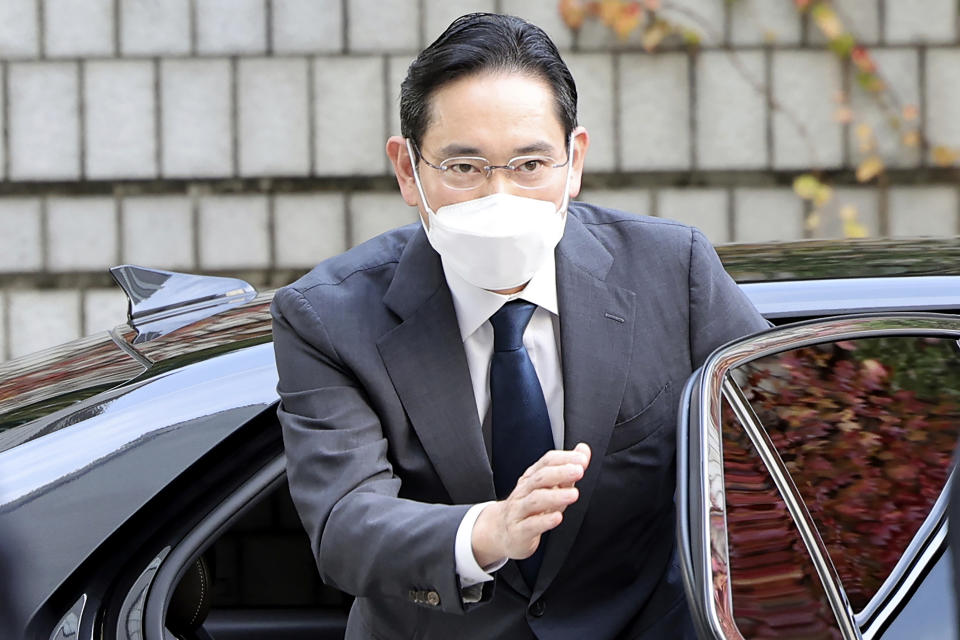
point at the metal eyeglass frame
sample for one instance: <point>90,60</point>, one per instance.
<point>489,168</point>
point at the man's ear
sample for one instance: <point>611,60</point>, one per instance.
<point>581,141</point>
<point>403,168</point>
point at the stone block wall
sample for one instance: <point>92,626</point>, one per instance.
<point>246,137</point>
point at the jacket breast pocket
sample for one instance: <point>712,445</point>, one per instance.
<point>647,420</point>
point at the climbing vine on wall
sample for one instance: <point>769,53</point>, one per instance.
<point>626,17</point>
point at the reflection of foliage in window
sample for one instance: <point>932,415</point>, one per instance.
<point>775,590</point>
<point>867,430</point>
<point>926,367</point>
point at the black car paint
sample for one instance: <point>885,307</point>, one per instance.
<point>64,495</point>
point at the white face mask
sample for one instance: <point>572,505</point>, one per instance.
<point>498,241</point>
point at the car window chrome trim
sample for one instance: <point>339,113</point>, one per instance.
<point>685,484</point>
<point>709,525</point>
<point>72,622</point>
<point>795,336</point>
<point>130,617</point>
<point>711,522</point>
<point>822,564</point>
<point>928,541</point>
<point>199,538</point>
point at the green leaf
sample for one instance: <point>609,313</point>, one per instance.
<point>806,186</point>
<point>843,45</point>
<point>869,81</point>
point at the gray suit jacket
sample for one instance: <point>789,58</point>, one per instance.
<point>385,451</point>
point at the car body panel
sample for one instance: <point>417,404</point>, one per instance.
<point>53,382</point>
<point>41,383</point>
<point>103,468</point>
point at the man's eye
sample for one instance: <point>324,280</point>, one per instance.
<point>530,166</point>
<point>463,168</point>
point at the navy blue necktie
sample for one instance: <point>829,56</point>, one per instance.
<point>519,420</point>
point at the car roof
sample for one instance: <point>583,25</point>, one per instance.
<point>810,298</point>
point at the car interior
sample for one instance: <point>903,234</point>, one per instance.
<point>258,580</point>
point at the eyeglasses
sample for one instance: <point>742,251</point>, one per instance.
<point>470,172</point>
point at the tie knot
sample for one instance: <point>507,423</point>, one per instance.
<point>509,323</point>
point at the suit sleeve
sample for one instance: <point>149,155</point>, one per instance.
<point>719,310</point>
<point>367,541</point>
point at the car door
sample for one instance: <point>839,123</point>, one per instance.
<point>814,466</point>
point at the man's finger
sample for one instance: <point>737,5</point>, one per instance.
<point>557,457</point>
<point>551,476</point>
<point>584,448</point>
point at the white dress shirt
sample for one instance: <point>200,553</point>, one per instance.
<point>474,306</point>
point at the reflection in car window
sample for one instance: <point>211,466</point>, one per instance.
<point>867,429</point>
<point>775,589</point>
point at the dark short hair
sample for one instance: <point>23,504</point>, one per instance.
<point>480,42</point>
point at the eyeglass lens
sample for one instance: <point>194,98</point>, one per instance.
<point>468,173</point>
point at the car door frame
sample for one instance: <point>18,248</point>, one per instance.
<point>702,512</point>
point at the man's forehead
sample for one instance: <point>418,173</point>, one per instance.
<point>502,112</point>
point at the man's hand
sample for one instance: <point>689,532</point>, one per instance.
<point>511,528</point>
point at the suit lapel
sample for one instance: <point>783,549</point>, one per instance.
<point>425,360</point>
<point>597,328</point>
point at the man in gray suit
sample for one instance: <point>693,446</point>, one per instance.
<point>478,411</point>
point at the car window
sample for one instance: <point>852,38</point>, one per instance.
<point>774,588</point>
<point>866,429</point>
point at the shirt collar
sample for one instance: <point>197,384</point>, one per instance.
<point>474,305</point>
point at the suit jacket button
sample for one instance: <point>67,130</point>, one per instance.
<point>433,598</point>
<point>537,608</point>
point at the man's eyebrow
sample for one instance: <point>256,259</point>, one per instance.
<point>535,148</point>
<point>454,149</point>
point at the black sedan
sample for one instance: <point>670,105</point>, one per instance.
<point>143,494</point>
